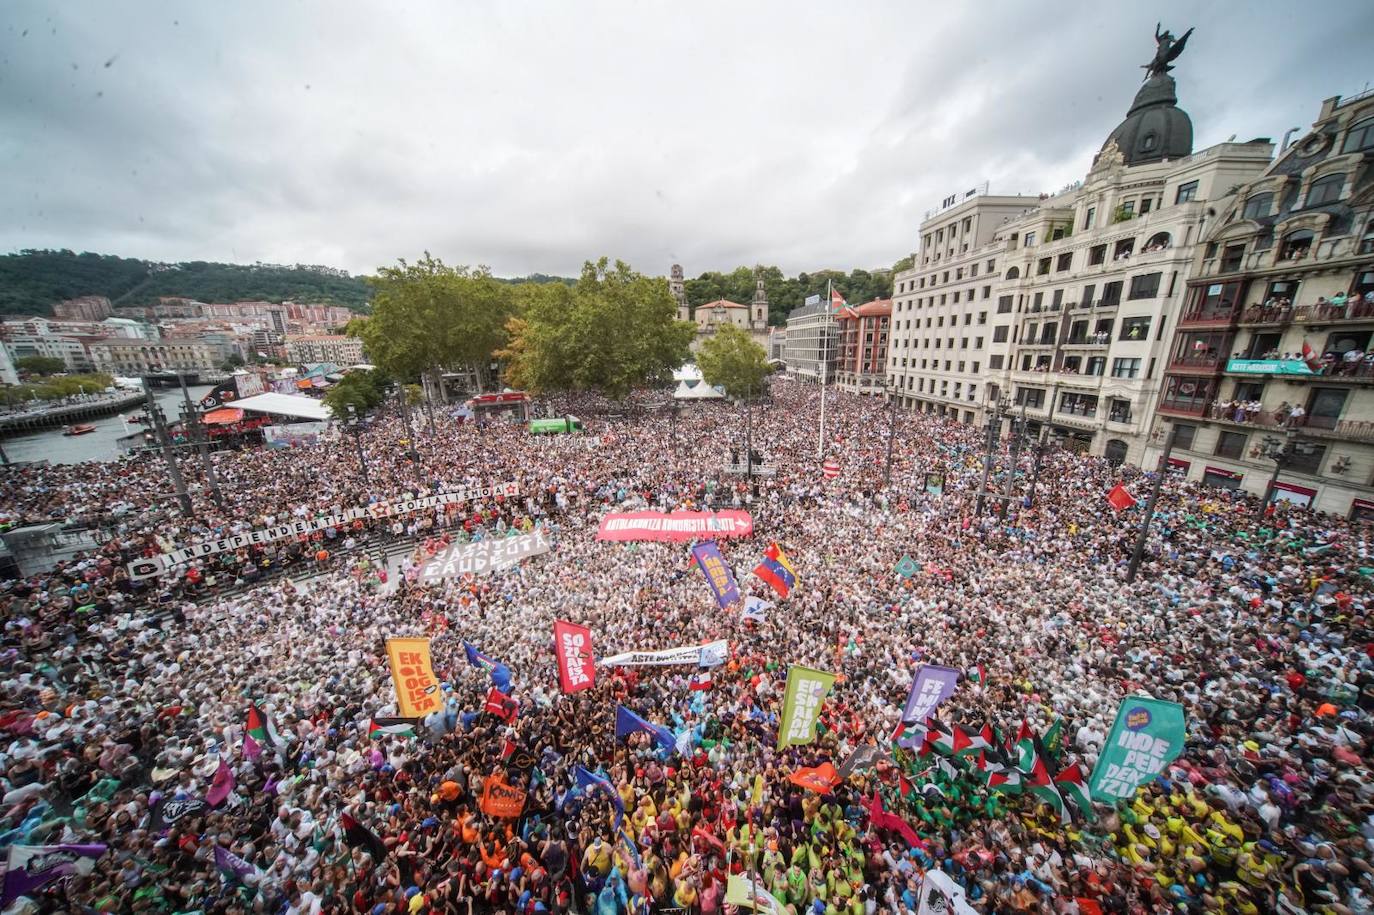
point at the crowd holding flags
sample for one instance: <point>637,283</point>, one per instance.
<point>776,570</point>
<point>1120,498</point>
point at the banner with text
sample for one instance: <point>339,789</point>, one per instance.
<point>417,689</point>
<point>573,647</point>
<point>489,555</point>
<point>1147,736</point>
<point>712,654</point>
<point>502,800</point>
<point>159,564</point>
<point>932,686</point>
<point>678,526</point>
<point>801,704</point>
<point>718,574</point>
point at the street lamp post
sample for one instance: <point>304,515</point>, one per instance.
<point>1281,452</point>
<point>190,418</point>
<point>891,436</point>
<point>356,427</point>
<point>160,430</point>
<point>1035,473</point>
<point>994,417</point>
<point>1139,552</point>
<point>1018,431</point>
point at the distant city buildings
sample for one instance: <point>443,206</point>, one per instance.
<point>752,318</point>
<point>83,308</point>
<point>812,348</point>
<point>335,348</point>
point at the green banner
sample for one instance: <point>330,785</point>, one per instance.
<point>1268,367</point>
<point>801,706</point>
<point>1147,736</point>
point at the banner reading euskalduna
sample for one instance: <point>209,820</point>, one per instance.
<point>1147,736</point>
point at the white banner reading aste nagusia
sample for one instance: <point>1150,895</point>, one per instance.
<point>483,556</point>
<point>157,565</point>
<point>712,654</point>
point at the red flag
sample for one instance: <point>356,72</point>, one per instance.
<point>507,748</point>
<point>881,819</point>
<point>1311,357</point>
<point>573,648</point>
<point>220,786</point>
<point>501,705</point>
<point>700,680</point>
<point>904,785</point>
<point>1119,498</point>
<point>820,779</point>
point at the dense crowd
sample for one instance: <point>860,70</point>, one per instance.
<point>122,698</point>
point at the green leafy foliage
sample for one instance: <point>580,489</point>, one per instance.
<point>787,293</point>
<point>40,365</point>
<point>613,330</point>
<point>730,358</point>
<point>32,281</point>
<point>361,390</point>
<point>56,388</point>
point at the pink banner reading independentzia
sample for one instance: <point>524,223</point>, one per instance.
<point>674,526</point>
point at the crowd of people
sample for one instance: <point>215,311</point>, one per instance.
<point>126,703</point>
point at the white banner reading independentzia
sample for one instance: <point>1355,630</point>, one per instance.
<point>153,566</point>
<point>483,556</point>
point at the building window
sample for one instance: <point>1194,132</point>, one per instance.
<point>1089,217</point>
<point>1258,205</point>
<point>1033,398</point>
<point>1111,294</point>
<point>1030,239</point>
<point>1076,404</point>
<point>995,362</point>
<point>1096,255</point>
<point>1124,248</point>
<point>1065,261</point>
<point>1087,300</point>
<point>982,317</point>
<point>1043,267</point>
<point>1359,136</point>
<point>1296,245</point>
<point>1184,435</point>
<point>1325,190</point>
<point>1232,257</point>
<point>1145,286</point>
<point>999,334</point>
<point>1119,410</point>
<point>1125,368</point>
<point>1186,192</point>
<point>1096,366</point>
<point>1146,205</point>
<point>1013,273</point>
<point>1004,304</point>
<point>1231,445</point>
<point>1135,328</point>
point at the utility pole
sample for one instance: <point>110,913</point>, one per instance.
<point>191,420</point>
<point>891,437</point>
<point>1139,552</point>
<point>173,471</point>
<point>1018,431</point>
<point>993,419</point>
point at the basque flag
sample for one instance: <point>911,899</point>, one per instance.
<point>776,570</point>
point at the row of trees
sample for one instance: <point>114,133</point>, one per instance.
<point>786,293</point>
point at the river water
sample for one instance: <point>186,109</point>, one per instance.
<point>100,445</point>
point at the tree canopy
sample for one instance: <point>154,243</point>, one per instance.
<point>362,390</point>
<point>428,316</point>
<point>613,330</point>
<point>731,359</point>
<point>40,365</point>
<point>787,293</point>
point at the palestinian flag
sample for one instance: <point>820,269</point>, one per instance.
<point>1071,785</point>
<point>910,737</point>
<point>1007,781</point>
<point>1053,741</point>
<point>964,742</point>
<point>939,740</point>
<point>904,785</point>
<point>1024,747</point>
<point>1042,786</point>
<point>391,727</point>
<point>359,836</point>
<point>977,674</point>
<point>258,732</point>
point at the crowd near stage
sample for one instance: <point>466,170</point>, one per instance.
<point>463,668</point>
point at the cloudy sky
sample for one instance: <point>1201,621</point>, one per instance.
<point>531,136</point>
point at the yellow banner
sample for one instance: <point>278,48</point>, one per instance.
<point>417,689</point>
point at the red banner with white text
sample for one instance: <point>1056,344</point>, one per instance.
<point>677,526</point>
<point>573,646</point>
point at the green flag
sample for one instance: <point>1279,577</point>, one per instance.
<point>1054,739</point>
<point>1148,734</point>
<point>801,706</point>
<point>907,567</point>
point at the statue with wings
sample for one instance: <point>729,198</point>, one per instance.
<point>1166,51</point>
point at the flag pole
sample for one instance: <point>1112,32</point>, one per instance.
<point>1138,553</point>
<point>825,364</point>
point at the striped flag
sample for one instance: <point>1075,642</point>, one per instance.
<point>1008,781</point>
<point>977,675</point>
<point>776,570</point>
<point>1043,787</point>
<point>391,727</point>
<point>1070,783</point>
<point>701,679</point>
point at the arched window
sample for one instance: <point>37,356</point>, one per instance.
<point>1296,245</point>
<point>1325,190</point>
<point>1013,273</point>
<point>1158,242</point>
<point>1258,205</point>
<point>1359,136</point>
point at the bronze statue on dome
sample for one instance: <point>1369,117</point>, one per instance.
<point>1166,51</point>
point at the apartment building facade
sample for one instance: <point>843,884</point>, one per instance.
<point>1270,371</point>
<point>863,333</point>
<point>948,335</point>
<point>335,348</point>
<point>812,342</point>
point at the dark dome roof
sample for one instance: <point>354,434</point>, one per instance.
<point>1155,128</point>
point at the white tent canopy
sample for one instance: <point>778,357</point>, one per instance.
<point>283,405</point>
<point>691,385</point>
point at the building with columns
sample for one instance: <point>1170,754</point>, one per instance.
<point>1269,371</point>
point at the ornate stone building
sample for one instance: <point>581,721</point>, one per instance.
<point>752,318</point>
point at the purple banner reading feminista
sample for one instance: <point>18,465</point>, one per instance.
<point>718,574</point>
<point>32,867</point>
<point>932,686</point>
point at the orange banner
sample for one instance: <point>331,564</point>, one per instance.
<point>417,689</point>
<point>820,779</point>
<point>502,800</point>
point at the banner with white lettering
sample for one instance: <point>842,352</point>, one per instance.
<point>1148,735</point>
<point>483,556</point>
<point>160,564</point>
<point>573,647</point>
<point>622,526</point>
<point>712,654</point>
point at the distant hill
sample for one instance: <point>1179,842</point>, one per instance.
<point>31,281</point>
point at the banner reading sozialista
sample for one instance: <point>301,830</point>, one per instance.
<point>153,566</point>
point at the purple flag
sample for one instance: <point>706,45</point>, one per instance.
<point>718,574</point>
<point>221,785</point>
<point>932,686</point>
<point>32,867</point>
<point>231,865</point>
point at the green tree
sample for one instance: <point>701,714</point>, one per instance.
<point>734,361</point>
<point>40,365</point>
<point>358,389</point>
<point>611,331</point>
<point>427,317</point>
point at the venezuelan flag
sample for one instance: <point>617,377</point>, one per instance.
<point>776,569</point>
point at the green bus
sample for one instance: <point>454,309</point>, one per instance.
<point>559,426</point>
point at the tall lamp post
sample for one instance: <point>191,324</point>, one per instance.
<point>355,425</point>
<point>1281,452</point>
<point>891,434</point>
<point>1018,432</point>
<point>1035,472</point>
<point>1139,552</point>
<point>994,420</point>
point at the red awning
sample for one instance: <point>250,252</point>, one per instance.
<point>223,416</point>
